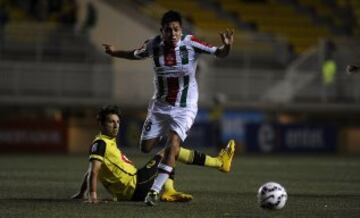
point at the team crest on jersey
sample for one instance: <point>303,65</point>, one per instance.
<point>183,53</point>
<point>94,147</point>
<point>150,164</point>
<point>124,158</point>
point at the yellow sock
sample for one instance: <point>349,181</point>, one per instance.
<point>169,185</point>
<point>197,158</point>
<point>185,155</point>
<point>212,162</point>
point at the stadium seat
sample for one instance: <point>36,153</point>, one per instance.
<point>353,6</point>
<point>279,19</point>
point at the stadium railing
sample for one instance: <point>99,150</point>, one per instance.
<point>43,63</point>
<point>54,83</point>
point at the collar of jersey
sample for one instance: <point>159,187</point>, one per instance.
<point>107,137</point>
<point>177,44</point>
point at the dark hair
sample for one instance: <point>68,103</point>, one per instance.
<point>106,110</point>
<point>171,16</point>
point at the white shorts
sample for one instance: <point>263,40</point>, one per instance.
<point>163,118</point>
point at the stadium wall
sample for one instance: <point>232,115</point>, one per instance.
<point>350,140</point>
<point>81,132</point>
<point>251,129</point>
<point>27,135</point>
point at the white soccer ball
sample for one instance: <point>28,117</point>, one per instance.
<point>272,195</point>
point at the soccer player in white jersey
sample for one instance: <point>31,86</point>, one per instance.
<point>174,105</point>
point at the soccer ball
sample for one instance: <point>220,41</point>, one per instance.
<point>272,195</point>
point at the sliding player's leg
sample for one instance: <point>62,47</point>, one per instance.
<point>222,161</point>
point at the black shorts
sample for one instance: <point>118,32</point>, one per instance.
<point>145,178</point>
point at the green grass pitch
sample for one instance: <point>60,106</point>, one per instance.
<point>317,186</point>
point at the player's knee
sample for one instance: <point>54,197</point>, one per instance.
<point>174,149</point>
<point>174,142</point>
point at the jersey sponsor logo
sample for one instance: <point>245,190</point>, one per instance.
<point>169,56</point>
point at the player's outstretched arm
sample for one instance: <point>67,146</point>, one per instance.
<point>227,38</point>
<point>352,68</point>
<point>112,51</point>
<point>83,189</point>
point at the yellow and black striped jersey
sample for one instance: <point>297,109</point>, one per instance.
<point>117,173</point>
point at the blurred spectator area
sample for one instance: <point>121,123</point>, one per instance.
<point>57,11</point>
<point>45,41</point>
<point>351,9</point>
<point>45,58</point>
<point>278,46</point>
<point>298,23</point>
<point>43,30</point>
<point>277,56</point>
<point>52,65</point>
<point>57,84</point>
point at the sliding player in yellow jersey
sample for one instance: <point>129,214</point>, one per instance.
<point>109,165</point>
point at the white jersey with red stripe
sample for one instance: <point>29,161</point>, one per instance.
<point>175,69</point>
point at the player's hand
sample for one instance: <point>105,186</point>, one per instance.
<point>227,37</point>
<point>350,69</point>
<point>109,49</point>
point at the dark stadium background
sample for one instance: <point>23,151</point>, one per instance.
<point>283,95</point>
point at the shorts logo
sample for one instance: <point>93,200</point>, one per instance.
<point>148,126</point>
<point>150,164</point>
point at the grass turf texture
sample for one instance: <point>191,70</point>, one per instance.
<point>317,186</point>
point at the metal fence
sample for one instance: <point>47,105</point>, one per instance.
<point>65,83</point>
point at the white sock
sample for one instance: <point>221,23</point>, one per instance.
<point>161,177</point>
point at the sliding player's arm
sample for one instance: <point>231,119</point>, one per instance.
<point>95,166</point>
